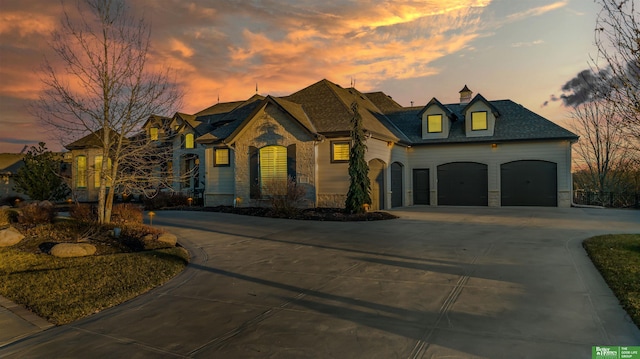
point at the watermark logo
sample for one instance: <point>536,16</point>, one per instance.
<point>615,352</point>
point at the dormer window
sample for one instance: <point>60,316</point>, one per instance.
<point>153,133</point>
<point>434,123</point>
<point>479,120</point>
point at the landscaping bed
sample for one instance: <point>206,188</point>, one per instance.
<point>46,272</point>
<point>617,257</point>
<point>313,214</point>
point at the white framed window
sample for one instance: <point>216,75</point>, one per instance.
<point>97,165</point>
<point>479,120</point>
<point>81,171</point>
<point>221,158</point>
<point>273,167</point>
<point>340,151</point>
<point>153,133</point>
<point>434,123</point>
<point>188,141</point>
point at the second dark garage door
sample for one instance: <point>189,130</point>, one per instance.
<point>529,183</point>
<point>462,184</point>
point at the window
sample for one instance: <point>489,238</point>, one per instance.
<point>478,120</point>
<point>97,163</point>
<point>221,158</point>
<point>153,133</point>
<point>81,172</point>
<point>434,123</point>
<point>188,140</point>
<point>273,166</point>
<point>340,151</point>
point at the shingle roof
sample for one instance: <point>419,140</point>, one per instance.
<point>11,162</point>
<point>92,140</point>
<point>227,123</point>
<point>329,107</point>
<point>383,101</point>
<point>514,123</point>
<point>325,108</point>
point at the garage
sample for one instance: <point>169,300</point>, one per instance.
<point>463,184</point>
<point>529,183</point>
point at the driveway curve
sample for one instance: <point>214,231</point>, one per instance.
<point>454,282</point>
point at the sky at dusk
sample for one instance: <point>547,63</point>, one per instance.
<point>412,50</point>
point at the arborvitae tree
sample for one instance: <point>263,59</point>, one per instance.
<point>359,185</point>
<point>40,178</point>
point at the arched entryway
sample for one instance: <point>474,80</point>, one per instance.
<point>397,190</point>
<point>376,178</point>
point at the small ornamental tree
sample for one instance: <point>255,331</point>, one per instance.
<point>359,185</point>
<point>40,178</point>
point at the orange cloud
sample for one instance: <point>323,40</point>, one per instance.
<point>26,23</point>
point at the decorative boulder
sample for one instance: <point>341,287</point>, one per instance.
<point>168,238</point>
<point>66,250</point>
<point>9,237</point>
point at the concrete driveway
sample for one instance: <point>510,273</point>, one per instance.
<point>438,283</point>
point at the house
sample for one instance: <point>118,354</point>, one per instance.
<point>472,153</point>
<point>86,156</point>
<point>10,163</point>
<point>476,152</point>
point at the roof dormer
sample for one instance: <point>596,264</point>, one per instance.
<point>436,120</point>
<point>480,117</point>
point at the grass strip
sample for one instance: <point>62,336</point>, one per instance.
<point>63,290</point>
<point>617,257</point>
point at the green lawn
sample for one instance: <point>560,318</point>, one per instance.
<point>63,290</point>
<point>617,257</point>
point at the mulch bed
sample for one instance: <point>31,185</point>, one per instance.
<point>310,214</point>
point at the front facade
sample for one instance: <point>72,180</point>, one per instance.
<point>473,153</point>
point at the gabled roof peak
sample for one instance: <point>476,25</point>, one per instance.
<point>479,97</point>
<point>434,102</point>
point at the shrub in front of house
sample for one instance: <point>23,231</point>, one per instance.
<point>165,200</point>
<point>126,213</point>
<point>83,212</point>
<point>285,196</point>
<point>7,216</point>
<point>32,214</point>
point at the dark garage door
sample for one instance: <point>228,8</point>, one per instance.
<point>529,183</point>
<point>463,184</point>
<point>421,186</point>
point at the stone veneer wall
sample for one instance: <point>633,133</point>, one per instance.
<point>332,200</point>
<point>273,127</point>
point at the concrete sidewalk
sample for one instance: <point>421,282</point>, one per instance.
<point>438,282</point>
<point>16,322</point>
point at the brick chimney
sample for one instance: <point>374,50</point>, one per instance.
<point>465,95</point>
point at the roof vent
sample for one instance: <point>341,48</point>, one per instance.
<point>465,95</point>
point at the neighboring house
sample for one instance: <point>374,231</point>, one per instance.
<point>85,156</point>
<point>10,163</point>
<point>472,153</point>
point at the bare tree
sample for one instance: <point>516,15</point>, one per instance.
<point>602,154</point>
<point>617,37</point>
<point>104,85</point>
